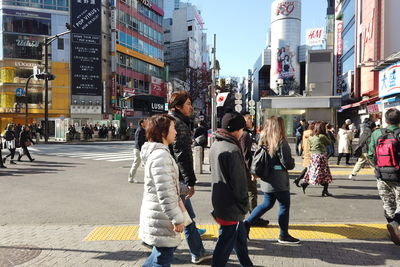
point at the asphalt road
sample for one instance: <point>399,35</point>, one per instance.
<point>87,184</point>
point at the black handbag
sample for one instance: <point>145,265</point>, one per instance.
<point>261,164</point>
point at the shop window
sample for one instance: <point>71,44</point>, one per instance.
<point>60,44</point>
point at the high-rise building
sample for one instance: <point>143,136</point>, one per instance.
<point>25,24</point>
<point>137,59</point>
<point>187,54</point>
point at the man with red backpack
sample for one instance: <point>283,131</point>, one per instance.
<point>384,149</point>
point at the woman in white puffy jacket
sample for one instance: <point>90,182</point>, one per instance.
<point>161,214</point>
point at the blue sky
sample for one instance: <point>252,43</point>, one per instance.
<point>242,28</point>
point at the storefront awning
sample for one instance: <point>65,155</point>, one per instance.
<point>357,104</point>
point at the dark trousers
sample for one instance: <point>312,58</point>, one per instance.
<point>1,159</point>
<point>26,152</point>
<point>283,198</point>
<point>11,154</point>
<point>341,156</point>
<point>232,237</point>
<point>160,257</point>
<point>252,192</point>
<point>299,149</point>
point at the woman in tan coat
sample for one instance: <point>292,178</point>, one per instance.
<point>306,152</point>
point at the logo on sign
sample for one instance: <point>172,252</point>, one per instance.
<point>146,3</point>
<point>285,8</point>
<point>315,36</point>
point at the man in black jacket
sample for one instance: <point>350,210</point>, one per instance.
<point>140,139</point>
<point>181,109</point>
<point>229,191</point>
<point>246,144</point>
<point>363,144</point>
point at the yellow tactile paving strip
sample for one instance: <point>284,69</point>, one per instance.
<point>302,231</point>
<point>342,172</point>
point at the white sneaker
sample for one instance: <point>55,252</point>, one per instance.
<point>207,255</point>
<point>393,229</point>
<point>351,177</point>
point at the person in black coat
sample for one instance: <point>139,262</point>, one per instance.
<point>25,141</point>
<point>1,157</point>
<point>10,143</point>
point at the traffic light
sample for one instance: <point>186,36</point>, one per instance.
<point>45,75</point>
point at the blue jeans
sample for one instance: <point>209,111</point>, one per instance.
<point>192,236</point>
<point>330,150</point>
<point>283,198</point>
<point>160,257</point>
<point>232,237</point>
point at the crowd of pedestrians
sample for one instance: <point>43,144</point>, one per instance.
<point>16,139</point>
<point>165,147</point>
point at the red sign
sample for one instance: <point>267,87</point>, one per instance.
<point>339,52</point>
<point>285,8</point>
<point>113,86</point>
<point>374,108</point>
<point>128,90</point>
<point>157,87</point>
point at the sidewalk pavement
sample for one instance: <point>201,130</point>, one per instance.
<point>65,245</point>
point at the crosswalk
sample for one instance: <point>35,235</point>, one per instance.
<point>99,156</point>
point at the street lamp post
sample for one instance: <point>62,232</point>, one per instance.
<point>47,42</point>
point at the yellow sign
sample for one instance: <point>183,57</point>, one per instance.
<point>7,74</point>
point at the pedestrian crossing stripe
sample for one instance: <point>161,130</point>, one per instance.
<point>110,157</point>
<point>341,172</point>
<point>301,231</point>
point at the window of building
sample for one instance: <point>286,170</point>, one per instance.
<point>27,25</point>
<point>348,39</point>
<point>190,28</point>
<point>349,9</point>
<point>60,44</point>
<point>348,62</point>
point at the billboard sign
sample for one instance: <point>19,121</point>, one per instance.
<point>389,80</point>
<point>315,37</point>
<point>86,48</point>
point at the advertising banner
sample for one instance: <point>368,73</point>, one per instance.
<point>86,48</point>
<point>389,80</point>
<point>157,87</point>
<point>315,37</point>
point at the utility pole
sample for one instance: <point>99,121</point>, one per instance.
<point>46,90</point>
<point>213,85</point>
<point>26,98</point>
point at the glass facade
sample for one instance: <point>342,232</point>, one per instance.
<point>348,36</point>
<point>46,4</point>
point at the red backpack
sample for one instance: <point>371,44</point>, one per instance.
<point>387,154</point>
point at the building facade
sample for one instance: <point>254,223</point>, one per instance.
<point>137,60</point>
<point>25,24</point>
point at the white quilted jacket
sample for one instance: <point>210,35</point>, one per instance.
<point>160,209</point>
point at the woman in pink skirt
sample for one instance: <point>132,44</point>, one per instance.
<point>318,171</point>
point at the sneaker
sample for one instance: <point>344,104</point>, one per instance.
<point>12,162</point>
<point>201,231</point>
<point>393,229</point>
<point>133,180</point>
<point>206,255</point>
<point>3,167</point>
<point>351,176</point>
<point>288,240</point>
<point>260,222</point>
<point>32,160</point>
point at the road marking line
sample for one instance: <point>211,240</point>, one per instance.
<point>301,231</point>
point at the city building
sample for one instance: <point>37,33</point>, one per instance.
<point>25,24</point>
<point>187,54</point>
<point>137,60</point>
<point>289,79</point>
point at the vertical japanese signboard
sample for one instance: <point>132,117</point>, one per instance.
<point>86,47</point>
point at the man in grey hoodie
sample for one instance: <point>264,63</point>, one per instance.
<point>229,191</point>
